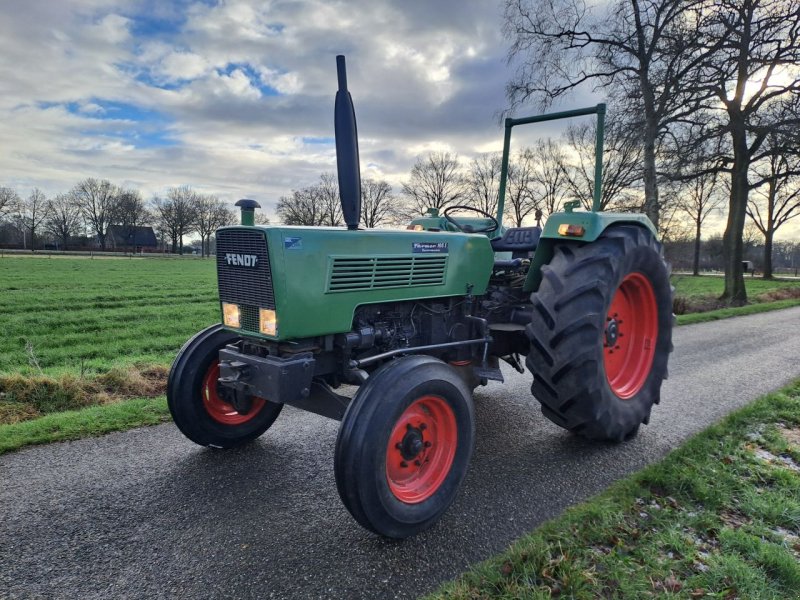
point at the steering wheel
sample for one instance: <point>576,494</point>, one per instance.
<point>466,228</point>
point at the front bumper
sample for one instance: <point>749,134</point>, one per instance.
<point>281,380</point>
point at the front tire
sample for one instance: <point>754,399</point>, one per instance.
<point>601,333</point>
<point>404,446</point>
<point>195,404</point>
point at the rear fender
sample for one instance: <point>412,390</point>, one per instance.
<point>593,223</point>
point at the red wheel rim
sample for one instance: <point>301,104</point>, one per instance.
<point>421,449</point>
<point>629,343</point>
<point>219,410</point>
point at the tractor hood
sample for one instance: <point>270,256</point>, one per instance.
<point>315,277</point>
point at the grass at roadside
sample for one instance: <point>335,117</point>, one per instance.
<point>738,311</point>
<point>697,298</point>
<point>717,518</point>
<point>76,424</point>
<point>708,285</point>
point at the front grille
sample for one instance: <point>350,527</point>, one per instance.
<point>248,286</point>
<point>364,273</point>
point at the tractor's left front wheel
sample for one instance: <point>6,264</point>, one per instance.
<point>197,407</point>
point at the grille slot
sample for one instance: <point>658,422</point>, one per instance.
<point>365,273</point>
<point>245,286</point>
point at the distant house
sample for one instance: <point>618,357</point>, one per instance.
<point>121,237</point>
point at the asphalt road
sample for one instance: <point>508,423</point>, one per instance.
<point>147,514</point>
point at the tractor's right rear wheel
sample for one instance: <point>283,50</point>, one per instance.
<point>601,333</point>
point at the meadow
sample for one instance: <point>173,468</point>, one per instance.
<point>85,316</point>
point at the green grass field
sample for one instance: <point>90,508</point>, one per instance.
<point>83,316</point>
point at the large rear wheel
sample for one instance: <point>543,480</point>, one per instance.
<point>198,408</point>
<point>404,446</point>
<point>602,333</point>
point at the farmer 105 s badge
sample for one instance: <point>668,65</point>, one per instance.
<point>429,247</point>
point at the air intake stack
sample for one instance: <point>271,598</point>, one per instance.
<point>347,163</point>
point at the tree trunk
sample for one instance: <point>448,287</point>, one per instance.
<point>102,239</point>
<point>651,208</point>
<point>732,245</point>
<point>696,260</point>
<point>650,183</point>
<point>768,235</point>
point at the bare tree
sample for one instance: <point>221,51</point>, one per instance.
<point>176,214</point>
<point>435,182</point>
<point>165,222</point>
<point>520,199</point>
<point>777,199</point>
<point>97,200</point>
<point>131,213</point>
<point>8,200</point>
<point>550,176</point>
<point>622,157</point>
<point>63,219</point>
<point>328,193</point>
<point>747,52</point>
<point>303,207</point>
<point>483,182</point>
<point>212,213</point>
<point>698,198</point>
<point>634,49</point>
<point>377,203</point>
<point>31,213</point>
<point>183,201</point>
<point>314,205</point>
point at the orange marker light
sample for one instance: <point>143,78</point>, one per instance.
<point>571,230</point>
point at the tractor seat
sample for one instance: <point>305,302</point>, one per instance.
<point>517,239</point>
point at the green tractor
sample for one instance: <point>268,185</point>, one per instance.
<point>417,319</point>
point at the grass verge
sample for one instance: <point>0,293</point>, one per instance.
<point>717,518</point>
<point>28,397</point>
<point>92,421</point>
<point>737,311</point>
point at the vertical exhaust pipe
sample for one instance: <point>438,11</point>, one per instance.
<point>347,163</point>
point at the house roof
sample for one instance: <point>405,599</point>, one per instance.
<point>132,236</point>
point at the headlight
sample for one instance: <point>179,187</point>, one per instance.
<point>267,321</point>
<point>230,315</point>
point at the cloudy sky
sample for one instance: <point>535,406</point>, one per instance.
<point>236,97</point>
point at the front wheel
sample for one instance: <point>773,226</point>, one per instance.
<point>601,333</point>
<point>404,446</point>
<point>194,401</point>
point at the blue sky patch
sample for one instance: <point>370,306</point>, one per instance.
<point>315,140</point>
<point>136,125</point>
<point>252,75</point>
